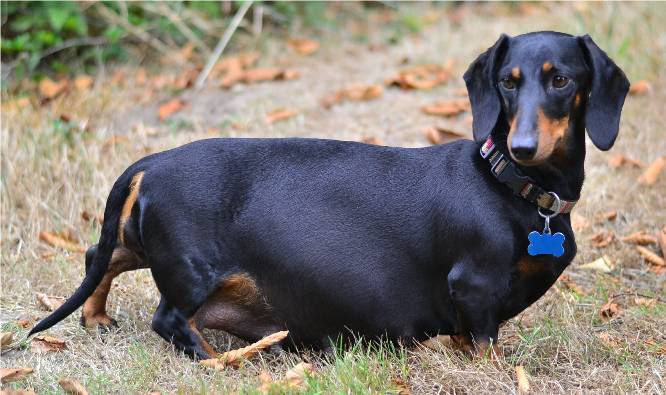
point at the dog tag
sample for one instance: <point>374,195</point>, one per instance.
<point>545,244</point>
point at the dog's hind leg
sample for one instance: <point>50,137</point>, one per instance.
<point>173,326</point>
<point>94,309</point>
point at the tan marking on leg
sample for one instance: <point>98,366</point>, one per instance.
<point>240,288</point>
<point>547,67</point>
<point>515,72</point>
<point>207,347</point>
<point>94,308</point>
<point>134,187</point>
<point>551,133</point>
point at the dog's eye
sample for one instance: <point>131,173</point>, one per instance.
<point>507,84</point>
<point>560,81</point>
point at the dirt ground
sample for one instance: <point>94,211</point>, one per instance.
<point>61,157</point>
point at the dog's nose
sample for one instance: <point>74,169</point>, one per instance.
<point>523,151</point>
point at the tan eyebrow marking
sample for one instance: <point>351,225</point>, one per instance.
<point>547,67</point>
<point>515,72</point>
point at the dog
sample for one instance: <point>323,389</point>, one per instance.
<point>331,238</point>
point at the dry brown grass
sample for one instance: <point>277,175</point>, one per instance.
<point>52,170</point>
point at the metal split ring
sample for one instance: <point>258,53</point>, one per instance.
<point>556,212</point>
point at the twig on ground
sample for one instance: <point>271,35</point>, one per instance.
<point>219,48</point>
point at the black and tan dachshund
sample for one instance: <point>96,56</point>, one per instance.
<point>330,239</point>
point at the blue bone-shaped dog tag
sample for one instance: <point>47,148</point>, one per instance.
<point>545,244</point>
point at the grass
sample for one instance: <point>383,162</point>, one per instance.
<point>52,170</point>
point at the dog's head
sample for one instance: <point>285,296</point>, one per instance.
<point>545,83</point>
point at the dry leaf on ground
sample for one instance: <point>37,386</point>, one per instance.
<point>280,114</point>
<point>602,264</point>
<point>521,377</point>
<point>233,357</point>
<point>641,238</point>
<point>608,339</point>
<point>6,339</point>
<point>422,77</point>
<point>113,141</point>
<point>372,140</point>
<point>448,108</point>
<point>169,108</point>
<point>609,310</point>
<point>353,92</point>
<point>8,375</point>
<point>295,376</point>
<point>72,386</point>
<point>578,222</point>
<point>608,216</point>
<point>640,88</point>
<point>48,89</point>
<point>619,160</point>
<point>648,302</point>
<point>23,323</point>
<point>438,135</point>
<point>650,256</point>
<point>303,46</point>
<point>57,240</point>
<point>651,173</point>
<point>186,78</point>
<point>83,82</point>
<point>268,74</point>
<point>50,303</point>
<point>44,344</point>
<point>90,217</point>
<point>401,386</point>
<point>602,239</point>
<point>265,380</point>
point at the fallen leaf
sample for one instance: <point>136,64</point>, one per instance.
<point>372,140</point>
<point>641,238</point>
<point>72,386</point>
<point>602,264</point>
<point>662,241</point>
<point>295,376</point>
<point>609,310</point>
<point>578,222</point>
<point>44,344</point>
<point>422,76</point>
<point>401,386</point>
<point>233,357</point>
<point>28,391</point>
<point>602,239</point>
<point>169,108</point>
<point>650,256</point>
<point>621,160</point>
<point>50,302</point>
<point>8,375</point>
<point>265,380</point>
<point>48,89</point>
<point>268,74</point>
<point>640,88</point>
<point>447,108</point>
<point>608,216</point>
<point>6,338</point>
<point>23,323</point>
<point>353,92</point>
<point>56,240</point>
<point>648,302</point>
<point>303,46</point>
<point>186,78</point>
<point>114,140</point>
<point>608,339</point>
<point>280,114</point>
<point>83,82</point>
<point>90,217</point>
<point>438,135</point>
<point>118,77</point>
<point>186,52</point>
<point>141,77</point>
<point>521,377</point>
<point>651,173</point>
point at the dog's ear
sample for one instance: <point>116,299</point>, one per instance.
<point>609,87</point>
<point>480,81</point>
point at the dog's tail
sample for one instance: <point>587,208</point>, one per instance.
<point>100,262</point>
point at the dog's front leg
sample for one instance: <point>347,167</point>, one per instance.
<point>476,298</point>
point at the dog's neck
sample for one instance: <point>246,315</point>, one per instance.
<point>564,173</point>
